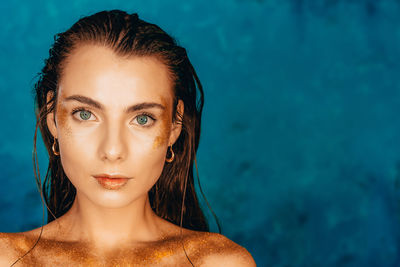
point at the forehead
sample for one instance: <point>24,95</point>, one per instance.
<point>98,72</point>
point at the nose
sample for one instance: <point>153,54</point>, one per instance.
<point>113,147</point>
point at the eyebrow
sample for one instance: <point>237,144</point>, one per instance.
<point>94,103</point>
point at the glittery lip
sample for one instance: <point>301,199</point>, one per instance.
<point>112,183</point>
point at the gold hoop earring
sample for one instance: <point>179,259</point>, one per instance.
<point>53,147</point>
<point>172,155</point>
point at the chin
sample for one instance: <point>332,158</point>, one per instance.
<point>107,198</point>
<point>114,199</point>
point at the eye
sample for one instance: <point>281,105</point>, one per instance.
<point>84,114</point>
<point>145,120</point>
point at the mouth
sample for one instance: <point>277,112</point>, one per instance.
<point>111,182</point>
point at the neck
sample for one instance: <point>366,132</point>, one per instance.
<point>108,228</point>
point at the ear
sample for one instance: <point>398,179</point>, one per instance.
<point>177,125</point>
<point>50,117</point>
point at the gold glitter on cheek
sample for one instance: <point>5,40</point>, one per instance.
<point>165,126</point>
<point>63,119</point>
<point>157,142</point>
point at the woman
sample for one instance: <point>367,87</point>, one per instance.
<point>118,110</point>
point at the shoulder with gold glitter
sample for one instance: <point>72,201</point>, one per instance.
<point>8,250</point>
<point>213,249</point>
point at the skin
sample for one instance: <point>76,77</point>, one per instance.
<point>107,227</point>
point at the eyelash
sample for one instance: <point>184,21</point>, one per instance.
<point>75,110</point>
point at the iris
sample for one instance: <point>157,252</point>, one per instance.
<point>86,114</point>
<point>142,119</point>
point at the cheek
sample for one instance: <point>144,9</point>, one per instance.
<point>149,167</point>
<point>73,166</point>
<point>74,143</point>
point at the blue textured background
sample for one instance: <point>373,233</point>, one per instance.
<point>299,154</point>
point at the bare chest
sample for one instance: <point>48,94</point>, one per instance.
<point>57,254</point>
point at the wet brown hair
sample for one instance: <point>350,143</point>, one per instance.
<point>173,197</point>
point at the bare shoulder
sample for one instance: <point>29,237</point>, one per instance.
<point>213,249</point>
<point>8,250</point>
<point>14,245</point>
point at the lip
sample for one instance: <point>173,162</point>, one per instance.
<point>112,176</point>
<point>111,182</point>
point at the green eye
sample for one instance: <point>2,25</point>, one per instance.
<point>84,114</point>
<point>142,119</point>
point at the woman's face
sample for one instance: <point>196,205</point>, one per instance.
<point>114,116</point>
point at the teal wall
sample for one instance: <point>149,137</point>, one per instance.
<point>299,154</point>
